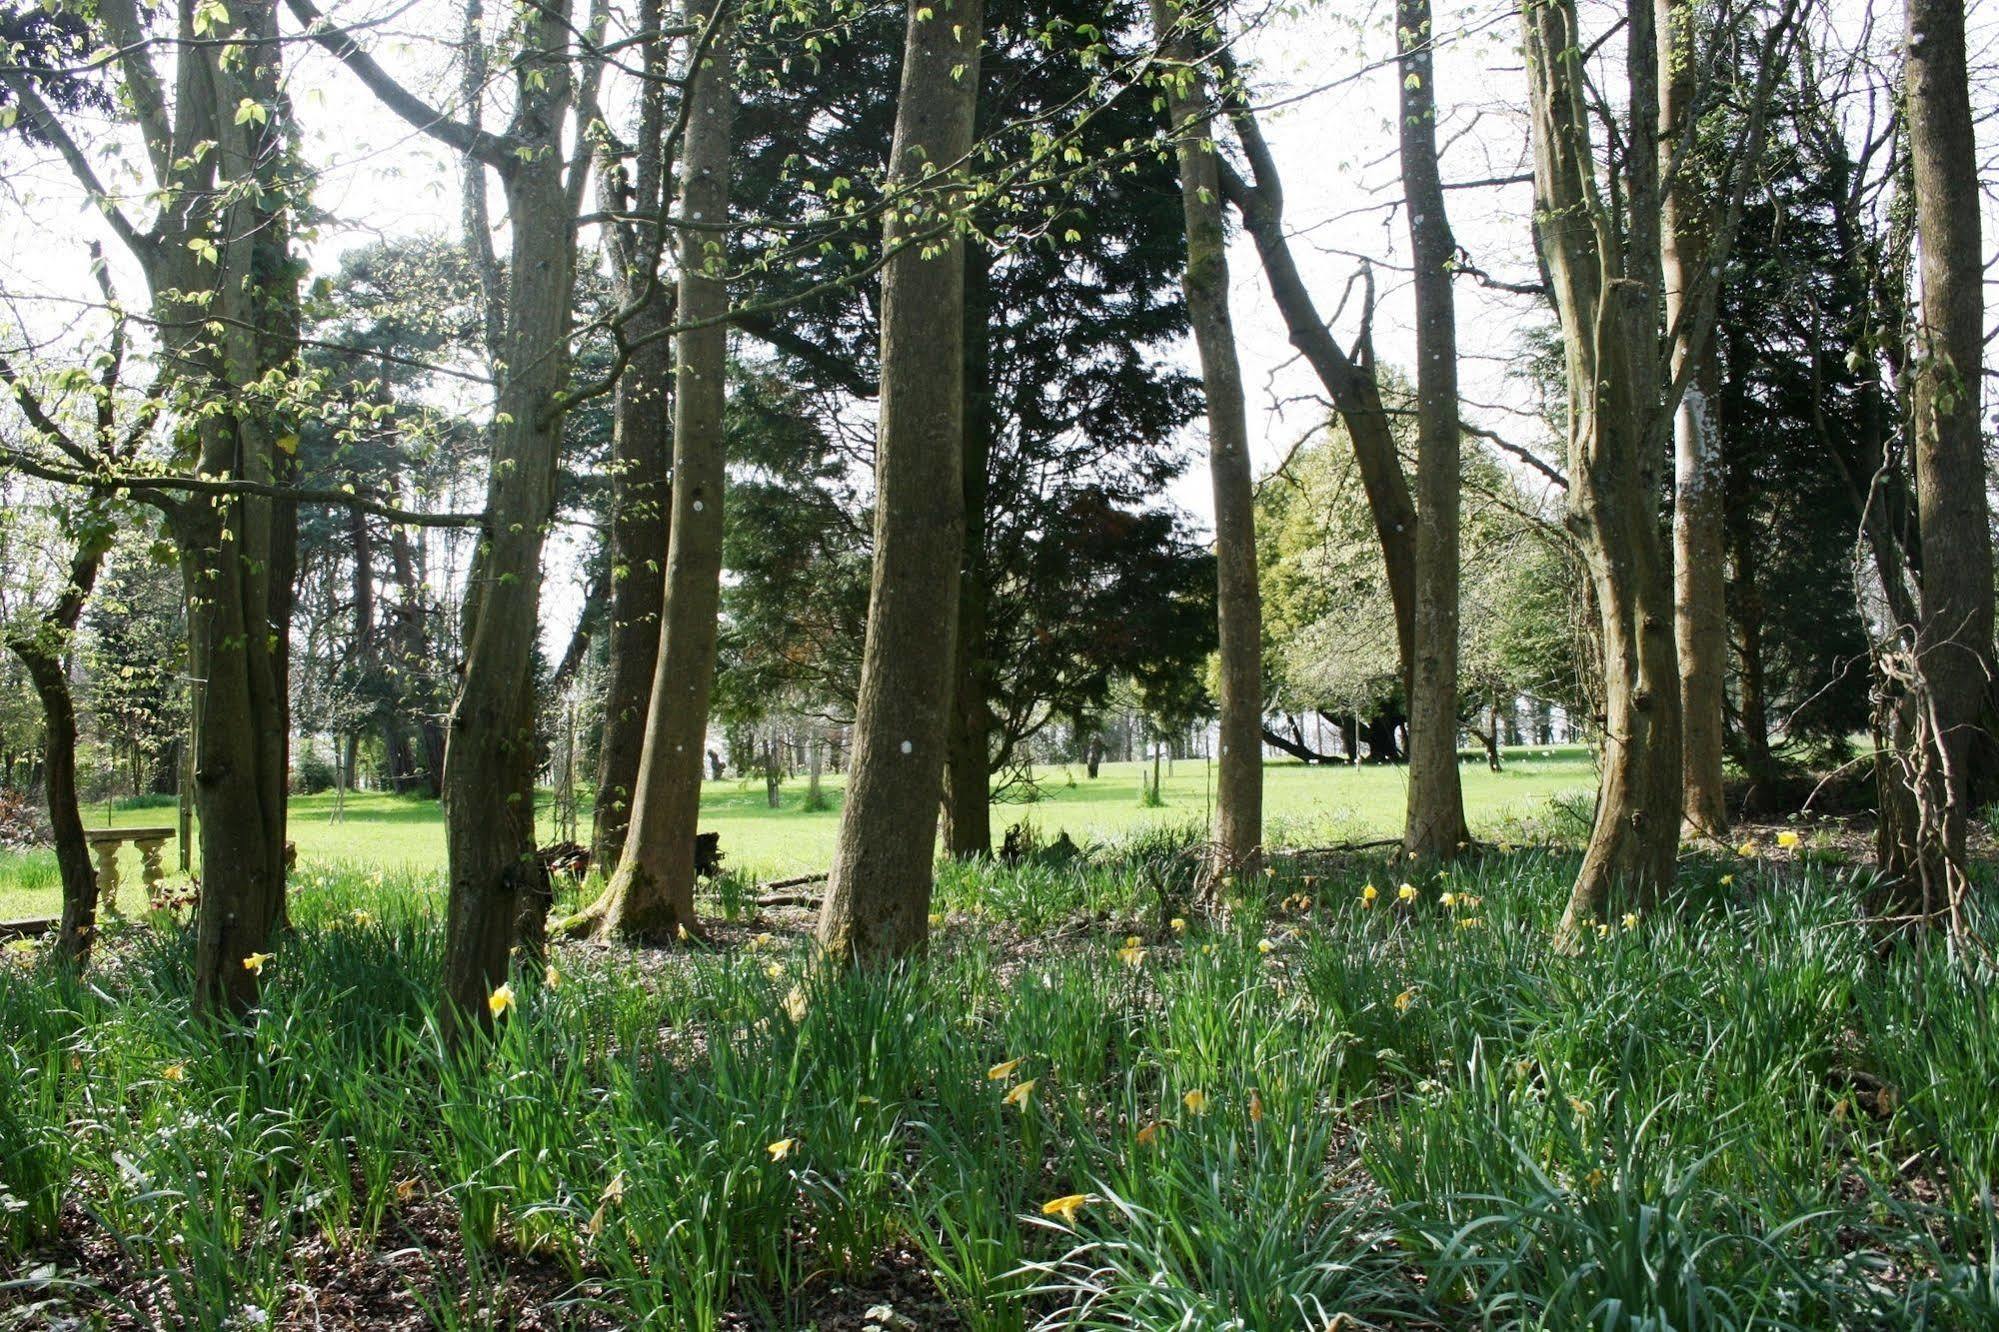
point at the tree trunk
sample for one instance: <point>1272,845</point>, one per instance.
<point>489,825</point>
<point>1604,286</point>
<point>878,891</point>
<point>968,829</point>
<point>1238,833</point>
<point>651,896</point>
<point>1953,641</point>
<point>1435,826</point>
<point>1699,560</point>
<point>1753,709</point>
<point>641,453</point>
<point>41,647</point>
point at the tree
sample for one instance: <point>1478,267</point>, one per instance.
<point>1604,277</point>
<point>222,282</point>
<point>1951,665</point>
<point>878,891</point>
<point>1435,826</point>
<point>651,895</point>
<point>1239,767</point>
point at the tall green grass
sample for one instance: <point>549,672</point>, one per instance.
<point>1742,1112</point>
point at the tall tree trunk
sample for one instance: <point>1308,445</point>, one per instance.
<point>1953,647</point>
<point>489,753</point>
<point>1435,826</point>
<point>1699,560</point>
<point>1238,832</point>
<point>968,829</point>
<point>1605,290</point>
<point>878,892</point>
<point>1753,709</point>
<point>651,896</point>
<point>642,454</point>
<point>41,646</point>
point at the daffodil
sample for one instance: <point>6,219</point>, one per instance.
<point>1727,879</point>
<point>1603,929</point>
<point>1067,1206</point>
<point>1266,945</point>
<point>254,963</point>
<point>1407,892</point>
<point>774,971</point>
<point>501,1000</point>
<point>781,1148</point>
<point>1449,899</point>
<point>1001,1072</point>
<point>1579,1106</point>
<point>1019,1094</point>
<point>1178,924</point>
<point>1631,920</point>
<point>1196,1102</point>
<point>1469,922</point>
<point>936,920</point>
<point>360,917</point>
<point>1746,849</point>
<point>174,1072</point>
<point>1132,954</point>
<point>1368,894</point>
<point>1255,1106</point>
<point>1403,1000</point>
<point>1150,1133</point>
<point>1788,839</point>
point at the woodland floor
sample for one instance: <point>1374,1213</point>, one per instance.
<point>1742,1109</point>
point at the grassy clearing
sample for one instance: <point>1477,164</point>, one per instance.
<point>1329,804</point>
<point>1741,1113</point>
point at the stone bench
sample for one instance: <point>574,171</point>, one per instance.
<point>104,844</point>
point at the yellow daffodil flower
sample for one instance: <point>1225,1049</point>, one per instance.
<point>1196,1102</point>
<point>1449,899</point>
<point>1403,1000</point>
<point>1178,924</point>
<point>1067,1206</point>
<point>255,963</point>
<point>1368,894</point>
<point>360,917</point>
<point>1631,920</point>
<point>1001,1072</point>
<point>1019,1094</point>
<point>1407,892</point>
<point>174,1072</point>
<point>1131,954</point>
<point>501,1000</point>
<point>1746,849</point>
<point>781,1148</point>
<point>1788,839</point>
<point>1150,1133</point>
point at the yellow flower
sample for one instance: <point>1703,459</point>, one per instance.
<point>1179,925</point>
<point>501,1000</point>
<point>1746,849</point>
<point>1469,922</point>
<point>1132,941</point>
<point>758,943</point>
<point>1594,1180</point>
<point>1449,899</point>
<point>1603,929</point>
<point>1018,1096</point>
<point>174,1072</point>
<point>1131,954</point>
<point>1255,1106</point>
<point>1208,949</point>
<point>360,917</point>
<point>680,933</point>
<point>1196,1102</point>
<point>551,977</point>
<point>1727,879</point>
<point>1150,1133</point>
<point>1368,894</point>
<point>1787,839</point>
<point>774,971</point>
<point>1265,945</point>
<point>1631,920</point>
<point>1403,1000</point>
<point>1000,1072</point>
<point>781,1148</point>
<point>1067,1206</point>
<point>936,920</point>
<point>255,963</point>
<point>1407,892</point>
<point>1580,1106</point>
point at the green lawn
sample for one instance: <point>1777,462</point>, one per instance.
<point>1301,806</point>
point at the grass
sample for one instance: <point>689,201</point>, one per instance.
<point>396,833</point>
<point>1737,1112</point>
